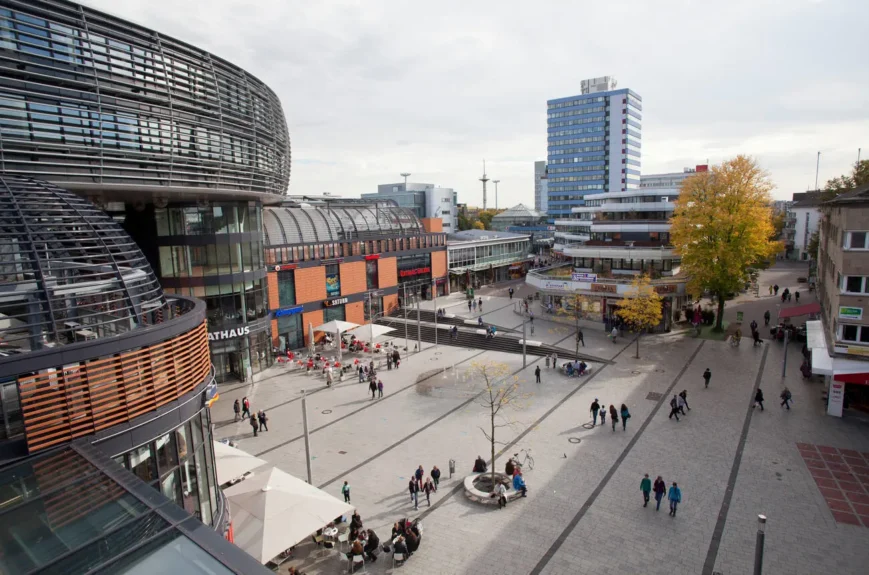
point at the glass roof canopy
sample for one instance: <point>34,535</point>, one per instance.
<point>74,510</point>
<point>327,223</point>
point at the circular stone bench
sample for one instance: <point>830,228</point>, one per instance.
<point>484,497</point>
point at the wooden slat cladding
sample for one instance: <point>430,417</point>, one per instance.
<point>85,398</point>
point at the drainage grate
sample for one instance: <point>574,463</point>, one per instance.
<point>342,453</point>
<point>654,396</point>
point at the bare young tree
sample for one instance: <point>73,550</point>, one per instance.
<point>500,391</point>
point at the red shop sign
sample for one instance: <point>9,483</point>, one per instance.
<point>285,267</point>
<point>414,272</point>
<point>373,257</point>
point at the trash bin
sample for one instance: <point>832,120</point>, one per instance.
<point>452,467</point>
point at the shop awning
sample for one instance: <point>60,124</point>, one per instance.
<point>858,378</point>
<point>799,310</point>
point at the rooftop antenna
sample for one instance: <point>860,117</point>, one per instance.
<point>484,179</point>
<point>496,192</point>
<point>405,175</point>
<point>817,170</point>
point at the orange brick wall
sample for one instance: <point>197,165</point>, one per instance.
<point>272,282</point>
<point>310,286</point>
<point>314,318</point>
<point>352,279</point>
<point>439,264</point>
<point>355,312</point>
<point>390,302</point>
<point>387,272</point>
<point>275,339</point>
<point>432,225</point>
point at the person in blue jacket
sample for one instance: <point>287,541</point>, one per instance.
<point>675,497</point>
<point>519,484</point>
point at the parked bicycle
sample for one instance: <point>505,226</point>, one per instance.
<point>527,460</point>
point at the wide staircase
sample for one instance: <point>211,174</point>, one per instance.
<point>469,338</point>
<point>430,316</point>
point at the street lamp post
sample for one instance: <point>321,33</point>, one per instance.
<point>435,296</point>
<point>496,192</point>
<point>307,436</point>
<point>406,349</point>
<point>524,362</point>
<point>758,549</point>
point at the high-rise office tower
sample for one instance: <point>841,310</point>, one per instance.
<point>593,144</point>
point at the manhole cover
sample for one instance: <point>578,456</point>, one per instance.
<point>342,453</point>
<point>636,372</point>
<point>326,411</point>
<point>574,439</point>
<point>654,396</point>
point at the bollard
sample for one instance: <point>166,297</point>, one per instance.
<point>452,467</point>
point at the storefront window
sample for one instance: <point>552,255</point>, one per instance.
<point>286,288</point>
<point>333,313</point>
<point>371,274</point>
<point>170,487</point>
<point>290,332</point>
<point>143,463</point>
<point>166,455</point>
<point>374,307</point>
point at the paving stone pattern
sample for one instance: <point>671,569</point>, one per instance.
<point>842,476</point>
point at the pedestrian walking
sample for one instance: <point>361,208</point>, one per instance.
<point>436,476</point>
<point>469,306</point>
<point>602,414</point>
<point>372,386</point>
<point>236,408</point>
<point>580,338</point>
<point>474,304</point>
<point>684,396</point>
<point>389,362</point>
<point>263,420</point>
<point>614,333</point>
<point>770,290</point>
<point>595,407</point>
<point>547,361</point>
<point>379,388</point>
<point>413,487</point>
<point>245,407</point>
<point>428,488</point>
<point>675,497</point>
<point>625,416</point>
<point>255,424</point>
<point>797,295</point>
<point>753,326</point>
<point>680,404</point>
<point>537,374</point>
<point>758,399</point>
<point>345,491</point>
<point>480,304</point>
<point>646,488</point>
<point>510,291</point>
<point>674,407</point>
<point>775,287</point>
<point>361,374</point>
<point>707,375</point>
<point>554,361</point>
<point>786,398</point>
<point>396,358</point>
<point>766,317</point>
<point>659,488</point>
<point>614,416</point>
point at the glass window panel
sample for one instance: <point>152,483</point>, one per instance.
<point>858,240</point>
<point>190,487</point>
<point>167,457</point>
<point>182,440</point>
<point>247,257</point>
<point>171,487</point>
<point>169,553</point>
<point>196,428</point>
<point>143,463</point>
<point>854,284</point>
<point>202,485</point>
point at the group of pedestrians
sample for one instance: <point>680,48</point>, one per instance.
<point>600,410</point>
<point>474,303</point>
<point>679,404</point>
<point>419,483</point>
<point>674,495</point>
<point>258,420</point>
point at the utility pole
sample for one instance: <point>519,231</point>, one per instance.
<point>406,349</point>
<point>817,170</point>
<point>435,295</point>
<point>524,361</point>
<point>758,549</point>
<point>405,175</point>
<point>496,192</point>
<point>784,365</point>
<point>307,436</point>
<point>418,325</point>
<point>484,179</point>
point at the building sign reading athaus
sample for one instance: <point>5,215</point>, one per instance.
<point>414,272</point>
<point>228,333</point>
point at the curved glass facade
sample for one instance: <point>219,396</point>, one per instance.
<point>88,100</point>
<point>180,464</point>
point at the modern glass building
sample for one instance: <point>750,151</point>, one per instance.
<point>593,144</point>
<point>96,363</point>
<point>180,146</point>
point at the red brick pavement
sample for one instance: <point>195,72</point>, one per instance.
<point>842,476</point>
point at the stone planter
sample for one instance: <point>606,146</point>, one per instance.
<point>478,487</point>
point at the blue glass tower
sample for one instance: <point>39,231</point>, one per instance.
<point>593,144</point>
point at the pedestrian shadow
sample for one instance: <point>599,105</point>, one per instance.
<point>393,496</point>
<point>358,401</point>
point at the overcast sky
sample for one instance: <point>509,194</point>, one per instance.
<point>373,88</point>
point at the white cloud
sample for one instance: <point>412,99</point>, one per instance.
<point>374,88</point>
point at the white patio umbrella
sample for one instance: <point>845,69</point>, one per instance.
<point>232,462</point>
<point>337,327</point>
<point>272,511</point>
<point>369,332</point>
<point>311,341</point>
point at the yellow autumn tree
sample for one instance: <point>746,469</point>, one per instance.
<point>478,225</point>
<point>641,307</point>
<point>722,225</point>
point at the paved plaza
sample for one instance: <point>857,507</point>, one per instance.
<point>584,510</point>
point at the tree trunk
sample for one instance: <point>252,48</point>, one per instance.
<point>720,318</point>
<point>493,449</point>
